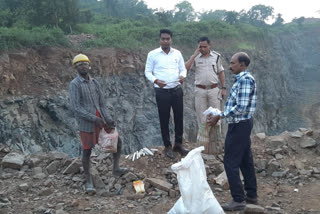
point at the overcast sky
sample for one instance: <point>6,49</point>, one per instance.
<point>288,9</point>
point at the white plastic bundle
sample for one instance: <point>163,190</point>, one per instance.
<point>213,111</point>
<point>196,194</point>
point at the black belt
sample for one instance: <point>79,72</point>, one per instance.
<point>208,86</point>
<point>169,89</point>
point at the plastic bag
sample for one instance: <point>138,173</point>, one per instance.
<point>108,141</point>
<point>196,195</point>
<point>210,136</point>
<point>213,111</point>
<point>203,134</point>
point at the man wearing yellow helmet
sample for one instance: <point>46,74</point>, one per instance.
<point>88,105</point>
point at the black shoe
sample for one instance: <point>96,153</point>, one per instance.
<point>89,189</point>
<point>120,171</point>
<point>233,205</point>
<point>181,150</point>
<point>250,200</point>
<point>168,152</point>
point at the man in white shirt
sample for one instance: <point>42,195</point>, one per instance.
<point>165,68</point>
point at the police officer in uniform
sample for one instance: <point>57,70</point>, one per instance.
<point>208,72</point>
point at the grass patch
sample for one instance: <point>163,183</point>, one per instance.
<point>15,37</point>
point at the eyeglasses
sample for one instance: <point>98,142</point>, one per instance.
<point>81,64</point>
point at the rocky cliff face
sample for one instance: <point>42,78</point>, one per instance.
<point>288,75</point>
<point>35,114</point>
<point>34,105</point>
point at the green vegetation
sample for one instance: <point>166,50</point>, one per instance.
<point>14,37</point>
<point>245,46</point>
<point>126,34</point>
<point>139,35</point>
<point>130,24</point>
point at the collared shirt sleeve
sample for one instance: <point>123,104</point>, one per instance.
<point>149,68</point>
<point>76,106</point>
<point>242,97</point>
<point>182,67</point>
<point>219,65</point>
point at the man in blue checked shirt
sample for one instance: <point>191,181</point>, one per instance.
<point>238,112</point>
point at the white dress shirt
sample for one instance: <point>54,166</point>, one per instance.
<point>166,67</point>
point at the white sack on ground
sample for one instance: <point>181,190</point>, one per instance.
<point>196,195</point>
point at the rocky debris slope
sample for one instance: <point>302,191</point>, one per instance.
<point>288,172</point>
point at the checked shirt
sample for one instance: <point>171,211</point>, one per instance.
<point>241,102</point>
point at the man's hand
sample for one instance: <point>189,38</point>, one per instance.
<point>99,122</point>
<point>223,93</point>
<point>189,63</point>
<point>181,79</point>
<point>197,51</point>
<point>111,124</point>
<point>212,120</point>
<point>160,83</point>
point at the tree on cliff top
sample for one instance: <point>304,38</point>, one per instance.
<point>184,12</point>
<point>279,20</point>
<point>211,15</point>
<point>127,9</point>
<point>258,14</point>
<point>50,13</point>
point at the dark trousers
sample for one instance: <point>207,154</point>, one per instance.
<point>167,99</point>
<point>237,154</point>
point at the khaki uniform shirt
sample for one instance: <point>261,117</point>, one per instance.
<point>207,69</point>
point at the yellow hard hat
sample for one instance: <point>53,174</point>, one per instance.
<point>80,58</point>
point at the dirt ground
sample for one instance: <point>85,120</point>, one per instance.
<point>295,194</point>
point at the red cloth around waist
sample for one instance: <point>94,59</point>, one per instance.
<point>89,139</point>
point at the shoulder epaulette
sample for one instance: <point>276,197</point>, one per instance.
<point>218,55</point>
